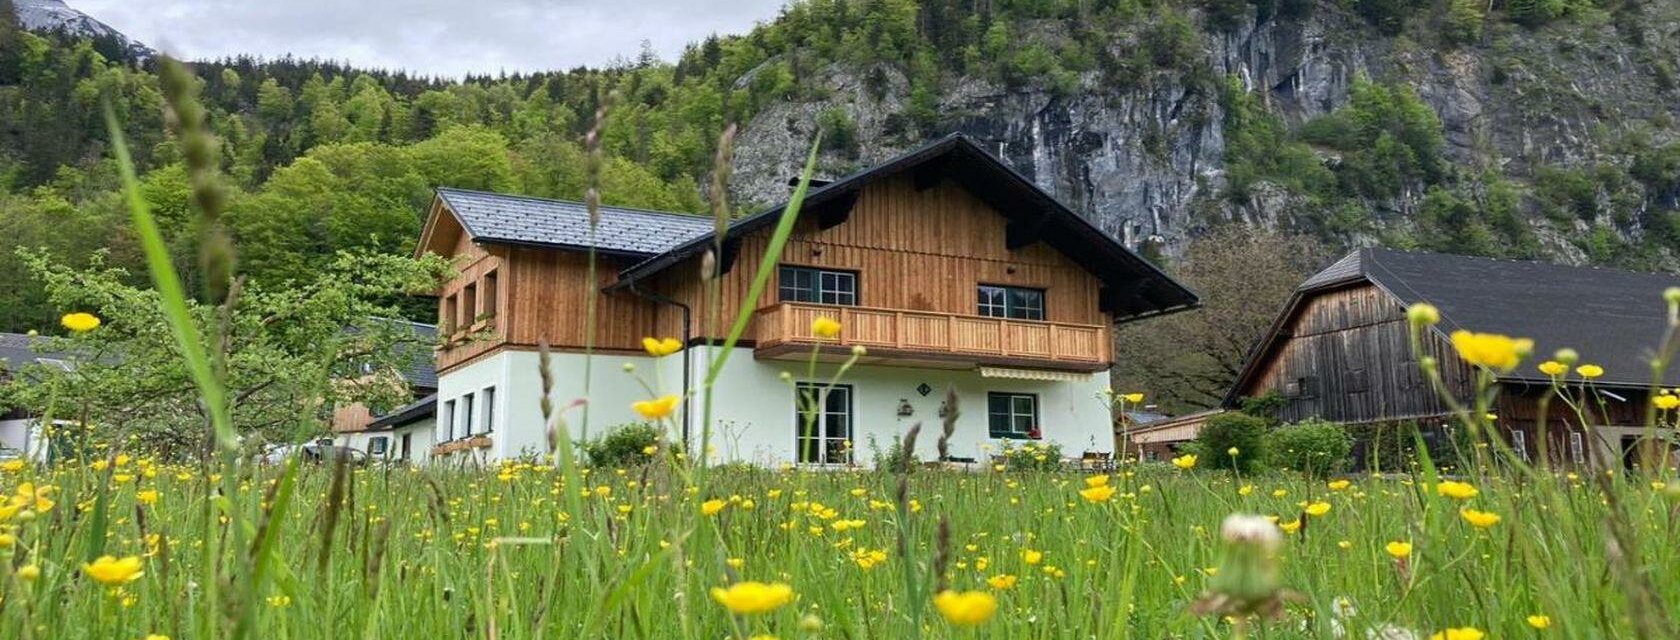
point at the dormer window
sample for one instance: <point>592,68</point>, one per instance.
<point>821,286</point>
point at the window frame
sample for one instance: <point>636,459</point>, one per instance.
<point>446,422</point>
<point>817,288</point>
<point>1009,306</point>
<point>467,410</point>
<point>820,427</point>
<point>1034,416</point>
<point>487,398</point>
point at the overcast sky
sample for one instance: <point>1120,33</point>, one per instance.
<point>440,37</point>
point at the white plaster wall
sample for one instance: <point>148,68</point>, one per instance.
<point>518,426</point>
<point>420,444</point>
<point>753,408</point>
<point>754,418</point>
<point>15,434</point>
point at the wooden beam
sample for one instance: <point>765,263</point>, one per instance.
<point>929,174</point>
<point>1023,232</point>
<point>731,250</point>
<point>836,212</point>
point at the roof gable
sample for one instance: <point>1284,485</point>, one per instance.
<point>541,222</point>
<point>1612,317</point>
<point>1133,287</point>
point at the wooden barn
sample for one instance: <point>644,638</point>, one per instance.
<point>1340,349</point>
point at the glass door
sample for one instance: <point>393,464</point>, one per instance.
<point>823,423</point>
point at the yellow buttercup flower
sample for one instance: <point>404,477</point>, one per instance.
<point>1589,371</point>
<point>1456,490</point>
<point>1002,581</point>
<point>1491,350</point>
<point>1186,461</point>
<point>712,507</point>
<point>1553,368</point>
<point>1290,527</point>
<point>825,327</point>
<point>1666,402</point>
<point>656,409</point>
<point>1463,633</point>
<point>662,346</point>
<point>967,608</point>
<point>156,636</point>
<point>112,572</point>
<point>1539,621</point>
<point>12,466</point>
<point>1479,519</point>
<point>750,598</point>
<point>149,496</point>
<point>1096,481</point>
<point>1318,509</point>
<point>1032,557</point>
<point>80,322</point>
<point>1399,549</point>
<point>1097,494</point>
<point>1423,313</point>
<point>1338,485</point>
<point>1133,398</point>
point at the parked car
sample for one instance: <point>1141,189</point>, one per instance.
<point>315,453</point>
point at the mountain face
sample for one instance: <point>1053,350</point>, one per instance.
<point>1148,161</point>
<point>55,15</point>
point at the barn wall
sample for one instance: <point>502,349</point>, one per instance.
<point>1346,356</point>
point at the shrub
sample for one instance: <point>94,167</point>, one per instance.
<point>896,458</point>
<point>1037,456</point>
<point>1315,447</point>
<point>1222,432</point>
<point>623,446</point>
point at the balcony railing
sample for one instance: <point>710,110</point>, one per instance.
<point>898,334</point>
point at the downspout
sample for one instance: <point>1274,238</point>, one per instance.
<point>687,337</point>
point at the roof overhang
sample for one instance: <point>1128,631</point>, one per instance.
<point>1133,288</point>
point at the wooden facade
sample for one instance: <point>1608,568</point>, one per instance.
<point>1345,355</point>
<point>919,254</point>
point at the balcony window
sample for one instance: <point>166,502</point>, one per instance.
<point>1018,303</point>
<point>1012,415</point>
<point>823,423</point>
<point>821,286</point>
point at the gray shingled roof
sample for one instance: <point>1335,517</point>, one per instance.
<point>18,350</point>
<point>496,217</point>
<point>419,366</point>
<point>407,414</point>
<point>1614,318</point>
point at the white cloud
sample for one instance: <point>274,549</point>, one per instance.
<point>435,37</point>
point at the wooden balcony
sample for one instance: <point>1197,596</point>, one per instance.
<point>929,339</point>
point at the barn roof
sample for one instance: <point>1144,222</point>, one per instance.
<point>524,220</point>
<point>1612,317</point>
<point>1133,287</point>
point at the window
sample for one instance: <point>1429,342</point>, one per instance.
<point>469,305</point>
<point>489,401</point>
<point>1519,442</point>
<point>451,307</point>
<point>446,422</point>
<point>405,446</point>
<point>1012,415</point>
<point>491,290</point>
<point>377,445</point>
<point>822,286</point>
<point>466,415</point>
<point>822,419</point>
<point>1577,448</point>
<point>1019,303</point>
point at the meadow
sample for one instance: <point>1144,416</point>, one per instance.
<point>518,551</point>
